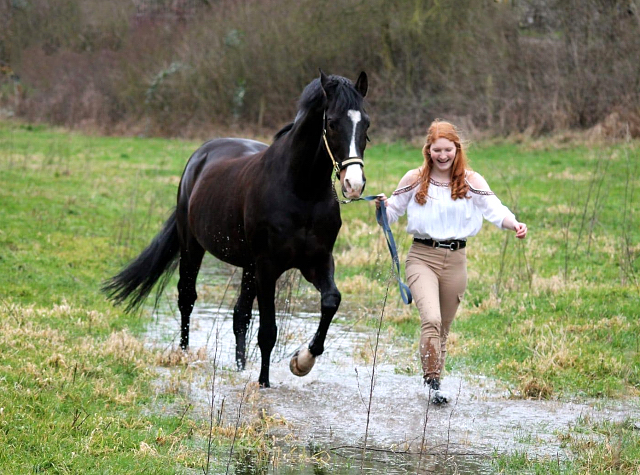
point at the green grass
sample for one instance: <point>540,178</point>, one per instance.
<point>600,447</point>
<point>555,316</point>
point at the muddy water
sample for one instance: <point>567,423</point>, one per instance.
<point>333,411</point>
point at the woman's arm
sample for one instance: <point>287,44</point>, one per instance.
<point>492,208</point>
<point>397,204</point>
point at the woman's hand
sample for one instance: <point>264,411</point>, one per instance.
<point>379,198</point>
<point>520,229</point>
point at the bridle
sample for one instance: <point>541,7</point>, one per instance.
<point>338,167</point>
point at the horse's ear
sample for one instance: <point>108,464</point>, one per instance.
<point>362,84</point>
<point>324,80</point>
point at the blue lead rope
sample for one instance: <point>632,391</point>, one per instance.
<point>381,217</point>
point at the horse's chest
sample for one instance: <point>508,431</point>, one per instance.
<point>314,233</point>
<point>305,234</point>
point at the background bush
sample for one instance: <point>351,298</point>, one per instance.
<point>186,67</point>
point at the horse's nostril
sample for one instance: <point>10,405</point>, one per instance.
<point>347,183</point>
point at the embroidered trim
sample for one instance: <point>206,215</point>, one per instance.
<point>404,189</point>
<point>480,192</point>
<point>439,183</point>
<point>407,188</point>
<point>476,191</point>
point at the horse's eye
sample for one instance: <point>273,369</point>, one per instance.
<point>332,124</point>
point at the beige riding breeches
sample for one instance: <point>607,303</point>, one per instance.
<point>437,278</point>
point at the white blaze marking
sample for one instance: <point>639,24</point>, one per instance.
<point>355,117</point>
<point>353,175</point>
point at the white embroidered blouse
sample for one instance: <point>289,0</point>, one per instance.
<point>443,218</point>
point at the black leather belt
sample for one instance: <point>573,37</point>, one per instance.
<point>452,245</point>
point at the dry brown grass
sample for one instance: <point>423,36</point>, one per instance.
<point>353,257</point>
<point>359,285</point>
<point>124,347</point>
<point>531,387</point>
<point>176,356</point>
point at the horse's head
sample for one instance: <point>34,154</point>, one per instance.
<point>346,124</point>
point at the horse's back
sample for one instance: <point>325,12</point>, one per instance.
<point>216,153</point>
<point>230,147</point>
<point>218,150</point>
<point>210,200</point>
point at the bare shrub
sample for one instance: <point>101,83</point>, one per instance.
<point>532,66</point>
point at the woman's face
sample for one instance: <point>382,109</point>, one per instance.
<point>443,151</point>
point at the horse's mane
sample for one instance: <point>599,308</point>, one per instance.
<point>283,131</point>
<point>342,91</point>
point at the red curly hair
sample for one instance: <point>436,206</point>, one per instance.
<point>459,187</point>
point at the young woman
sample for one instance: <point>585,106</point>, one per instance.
<point>445,203</point>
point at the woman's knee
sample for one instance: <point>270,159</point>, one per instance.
<point>430,325</point>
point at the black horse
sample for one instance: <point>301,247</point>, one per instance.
<point>265,209</point>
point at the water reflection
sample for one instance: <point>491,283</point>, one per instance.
<point>350,464</point>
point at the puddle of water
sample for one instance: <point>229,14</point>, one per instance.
<point>328,410</point>
<point>348,463</point>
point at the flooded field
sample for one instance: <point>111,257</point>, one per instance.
<point>334,412</point>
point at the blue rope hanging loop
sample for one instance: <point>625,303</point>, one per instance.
<point>381,217</point>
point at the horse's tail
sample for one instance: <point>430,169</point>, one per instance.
<point>157,262</point>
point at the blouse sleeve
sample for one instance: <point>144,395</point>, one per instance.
<point>490,205</point>
<point>397,203</point>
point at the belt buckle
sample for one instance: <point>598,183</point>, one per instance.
<point>452,246</point>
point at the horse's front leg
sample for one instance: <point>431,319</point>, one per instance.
<point>322,278</point>
<point>268,331</point>
<point>242,315</point>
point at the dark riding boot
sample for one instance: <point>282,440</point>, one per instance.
<point>436,396</point>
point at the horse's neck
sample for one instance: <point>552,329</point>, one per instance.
<point>310,165</point>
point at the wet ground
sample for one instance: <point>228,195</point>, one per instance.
<point>332,410</point>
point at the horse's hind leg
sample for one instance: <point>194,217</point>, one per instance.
<point>266,277</point>
<point>242,315</point>
<point>322,278</point>
<point>190,259</point>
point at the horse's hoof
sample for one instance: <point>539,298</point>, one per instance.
<point>302,362</point>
